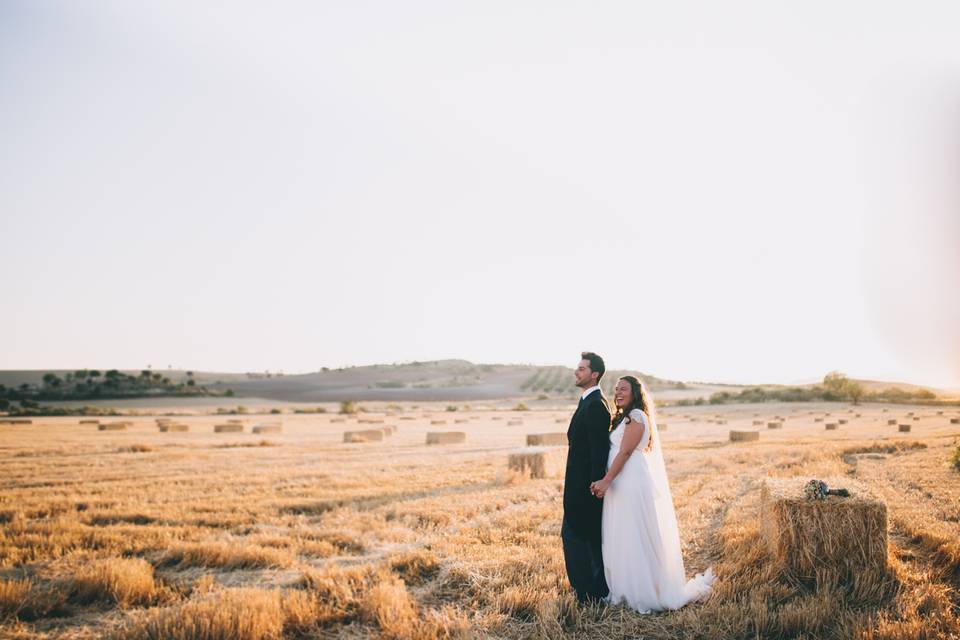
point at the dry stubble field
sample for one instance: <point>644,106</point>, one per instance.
<point>200,535</point>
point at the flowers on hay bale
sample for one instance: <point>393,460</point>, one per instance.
<point>539,462</point>
<point>815,533</point>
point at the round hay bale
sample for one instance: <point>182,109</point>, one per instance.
<point>267,428</point>
<point>774,425</point>
<point>363,435</point>
<point>173,426</point>
<point>514,423</point>
<point>112,426</point>
<point>446,437</point>
<point>744,436</point>
<point>904,428</point>
<point>546,439</point>
<point>837,538</point>
<point>831,426</point>
<point>538,462</point>
<point>229,427</point>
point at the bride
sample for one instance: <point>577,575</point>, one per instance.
<point>640,539</point>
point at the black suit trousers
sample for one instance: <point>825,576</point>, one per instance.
<point>584,560</point>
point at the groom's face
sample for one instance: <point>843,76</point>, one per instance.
<point>584,376</point>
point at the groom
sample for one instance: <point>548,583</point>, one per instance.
<point>588,441</point>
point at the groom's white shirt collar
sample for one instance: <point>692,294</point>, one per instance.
<point>589,391</point>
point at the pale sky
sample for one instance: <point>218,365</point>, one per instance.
<point>738,191</point>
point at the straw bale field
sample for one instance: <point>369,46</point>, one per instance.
<point>144,533</point>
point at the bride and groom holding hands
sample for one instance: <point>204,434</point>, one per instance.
<point>620,538</point>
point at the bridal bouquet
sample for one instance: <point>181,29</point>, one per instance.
<point>817,490</point>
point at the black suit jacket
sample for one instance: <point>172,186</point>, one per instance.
<point>588,440</point>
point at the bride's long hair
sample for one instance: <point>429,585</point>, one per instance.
<point>639,399</point>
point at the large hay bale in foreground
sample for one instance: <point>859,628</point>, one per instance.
<point>836,538</point>
<point>229,427</point>
<point>744,436</point>
<point>905,428</point>
<point>539,462</point>
<point>365,435</point>
<point>112,426</point>
<point>173,426</point>
<point>267,428</point>
<point>446,437</point>
<point>546,439</point>
<point>954,420</point>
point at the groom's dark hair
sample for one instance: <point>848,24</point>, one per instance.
<point>596,363</point>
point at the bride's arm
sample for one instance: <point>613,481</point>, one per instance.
<point>632,434</point>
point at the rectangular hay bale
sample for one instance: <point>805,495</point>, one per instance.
<point>173,426</point>
<point>905,428</point>
<point>229,427</point>
<point>446,437</point>
<point>744,436</point>
<point>538,462</point>
<point>546,439</point>
<point>267,428</point>
<point>836,538</point>
<point>112,426</point>
<point>365,435</point>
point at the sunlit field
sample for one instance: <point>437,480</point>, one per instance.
<point>196,534</point>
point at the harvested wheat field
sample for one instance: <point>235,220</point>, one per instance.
<point>197,534</point>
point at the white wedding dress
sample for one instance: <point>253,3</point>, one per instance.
<point>641,543</point>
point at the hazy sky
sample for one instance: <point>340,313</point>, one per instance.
<point>737,191</point>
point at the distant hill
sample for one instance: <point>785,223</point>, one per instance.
<point>453,380</point>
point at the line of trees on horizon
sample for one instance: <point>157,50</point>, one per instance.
<point>92,384</point>
<point>835,387</point>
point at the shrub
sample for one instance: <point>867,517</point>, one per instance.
<point>521,407</point>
